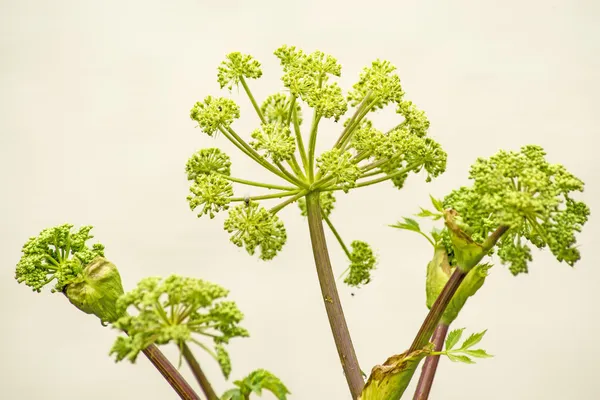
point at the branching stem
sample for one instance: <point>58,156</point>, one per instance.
<point>258,184</point>
<point>198,373</point>
<point>440,304</point>
<point>278,207</point>
<point>431,363</point>
<point>267,196</point>
<point>333,306</point>
<point>168,371</point>
<point>252,100</point>
<point>337,235</point>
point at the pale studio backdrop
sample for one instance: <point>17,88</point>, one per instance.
<point>95,129</point>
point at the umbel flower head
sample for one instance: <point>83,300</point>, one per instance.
<point>529,196</point>
<point>90,282</point>
<point>253,226</point>
<point>178,310</point>
<point>362,155</point>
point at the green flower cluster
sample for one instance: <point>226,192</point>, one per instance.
<point>361,156</point>
<point>178,310</point>
<point>362,262</point>
<point>276,140</point>
<point>253,226</point>
<point>532,197</point>
<point>214,114</point>
<point>208,170</point>
<point>277,109</point>
<point>235,68</point>
<point>89,281</point>
<point>56,254</point>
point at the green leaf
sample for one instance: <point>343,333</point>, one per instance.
<point>473,340</point>
<point>437,203</point>
<point>462,359</point>
<point>479,353</point>
<point>233,394</point>
<point>453,338</point>
<point>429,214</point>
<point>408,224</point>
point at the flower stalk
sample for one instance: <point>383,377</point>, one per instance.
<point>333,306</point>
<point>198,373</point>
<point>431,363</point>
<point>170,373</point>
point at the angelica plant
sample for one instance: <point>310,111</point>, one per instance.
<point>88,280</point>
<point>517,201</point>
<point>171,311</point>
<point>361,156</point>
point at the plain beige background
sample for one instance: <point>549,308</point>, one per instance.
<point>94,129</point>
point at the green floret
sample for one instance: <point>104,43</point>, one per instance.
<point>206,162</point>
<point>431,157</point>
<point>56,254</point>
<point>236,67</point>
<point>380,80</point>
<point>214,114</point>
<point>276,140</point>
<point>367,139</point>
<point>256,382</point>
<point>178,310</point>
<point>415,119</point>
<point>338,165</point>
<point>523,191</point>
<point>411,153</point>
<point>306,76</point>
<point>253,227</point>
<point>276,109</point>
<point>327,201</point>
<point>362,262</point>
<point>212,192</point>
<point>328,101</point>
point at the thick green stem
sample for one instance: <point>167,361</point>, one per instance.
<point>168,371</point>
<point>431,364</point>
<point>440,304</point>
<point>252,100</point>
<point>437,309</point>
<point>198,373</point>
<point>331,299</point>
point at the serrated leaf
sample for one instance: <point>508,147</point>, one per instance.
<point>453,338</point>
<point>462,359</point>
<point>232,394</point>
<point>478,353</point>
<point>408,224</point>
<point>473,340</point>
<point>436,203</point>
<point>425,213</point>
<point>429,214</point>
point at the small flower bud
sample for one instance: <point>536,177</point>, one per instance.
<point>97,290</point>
